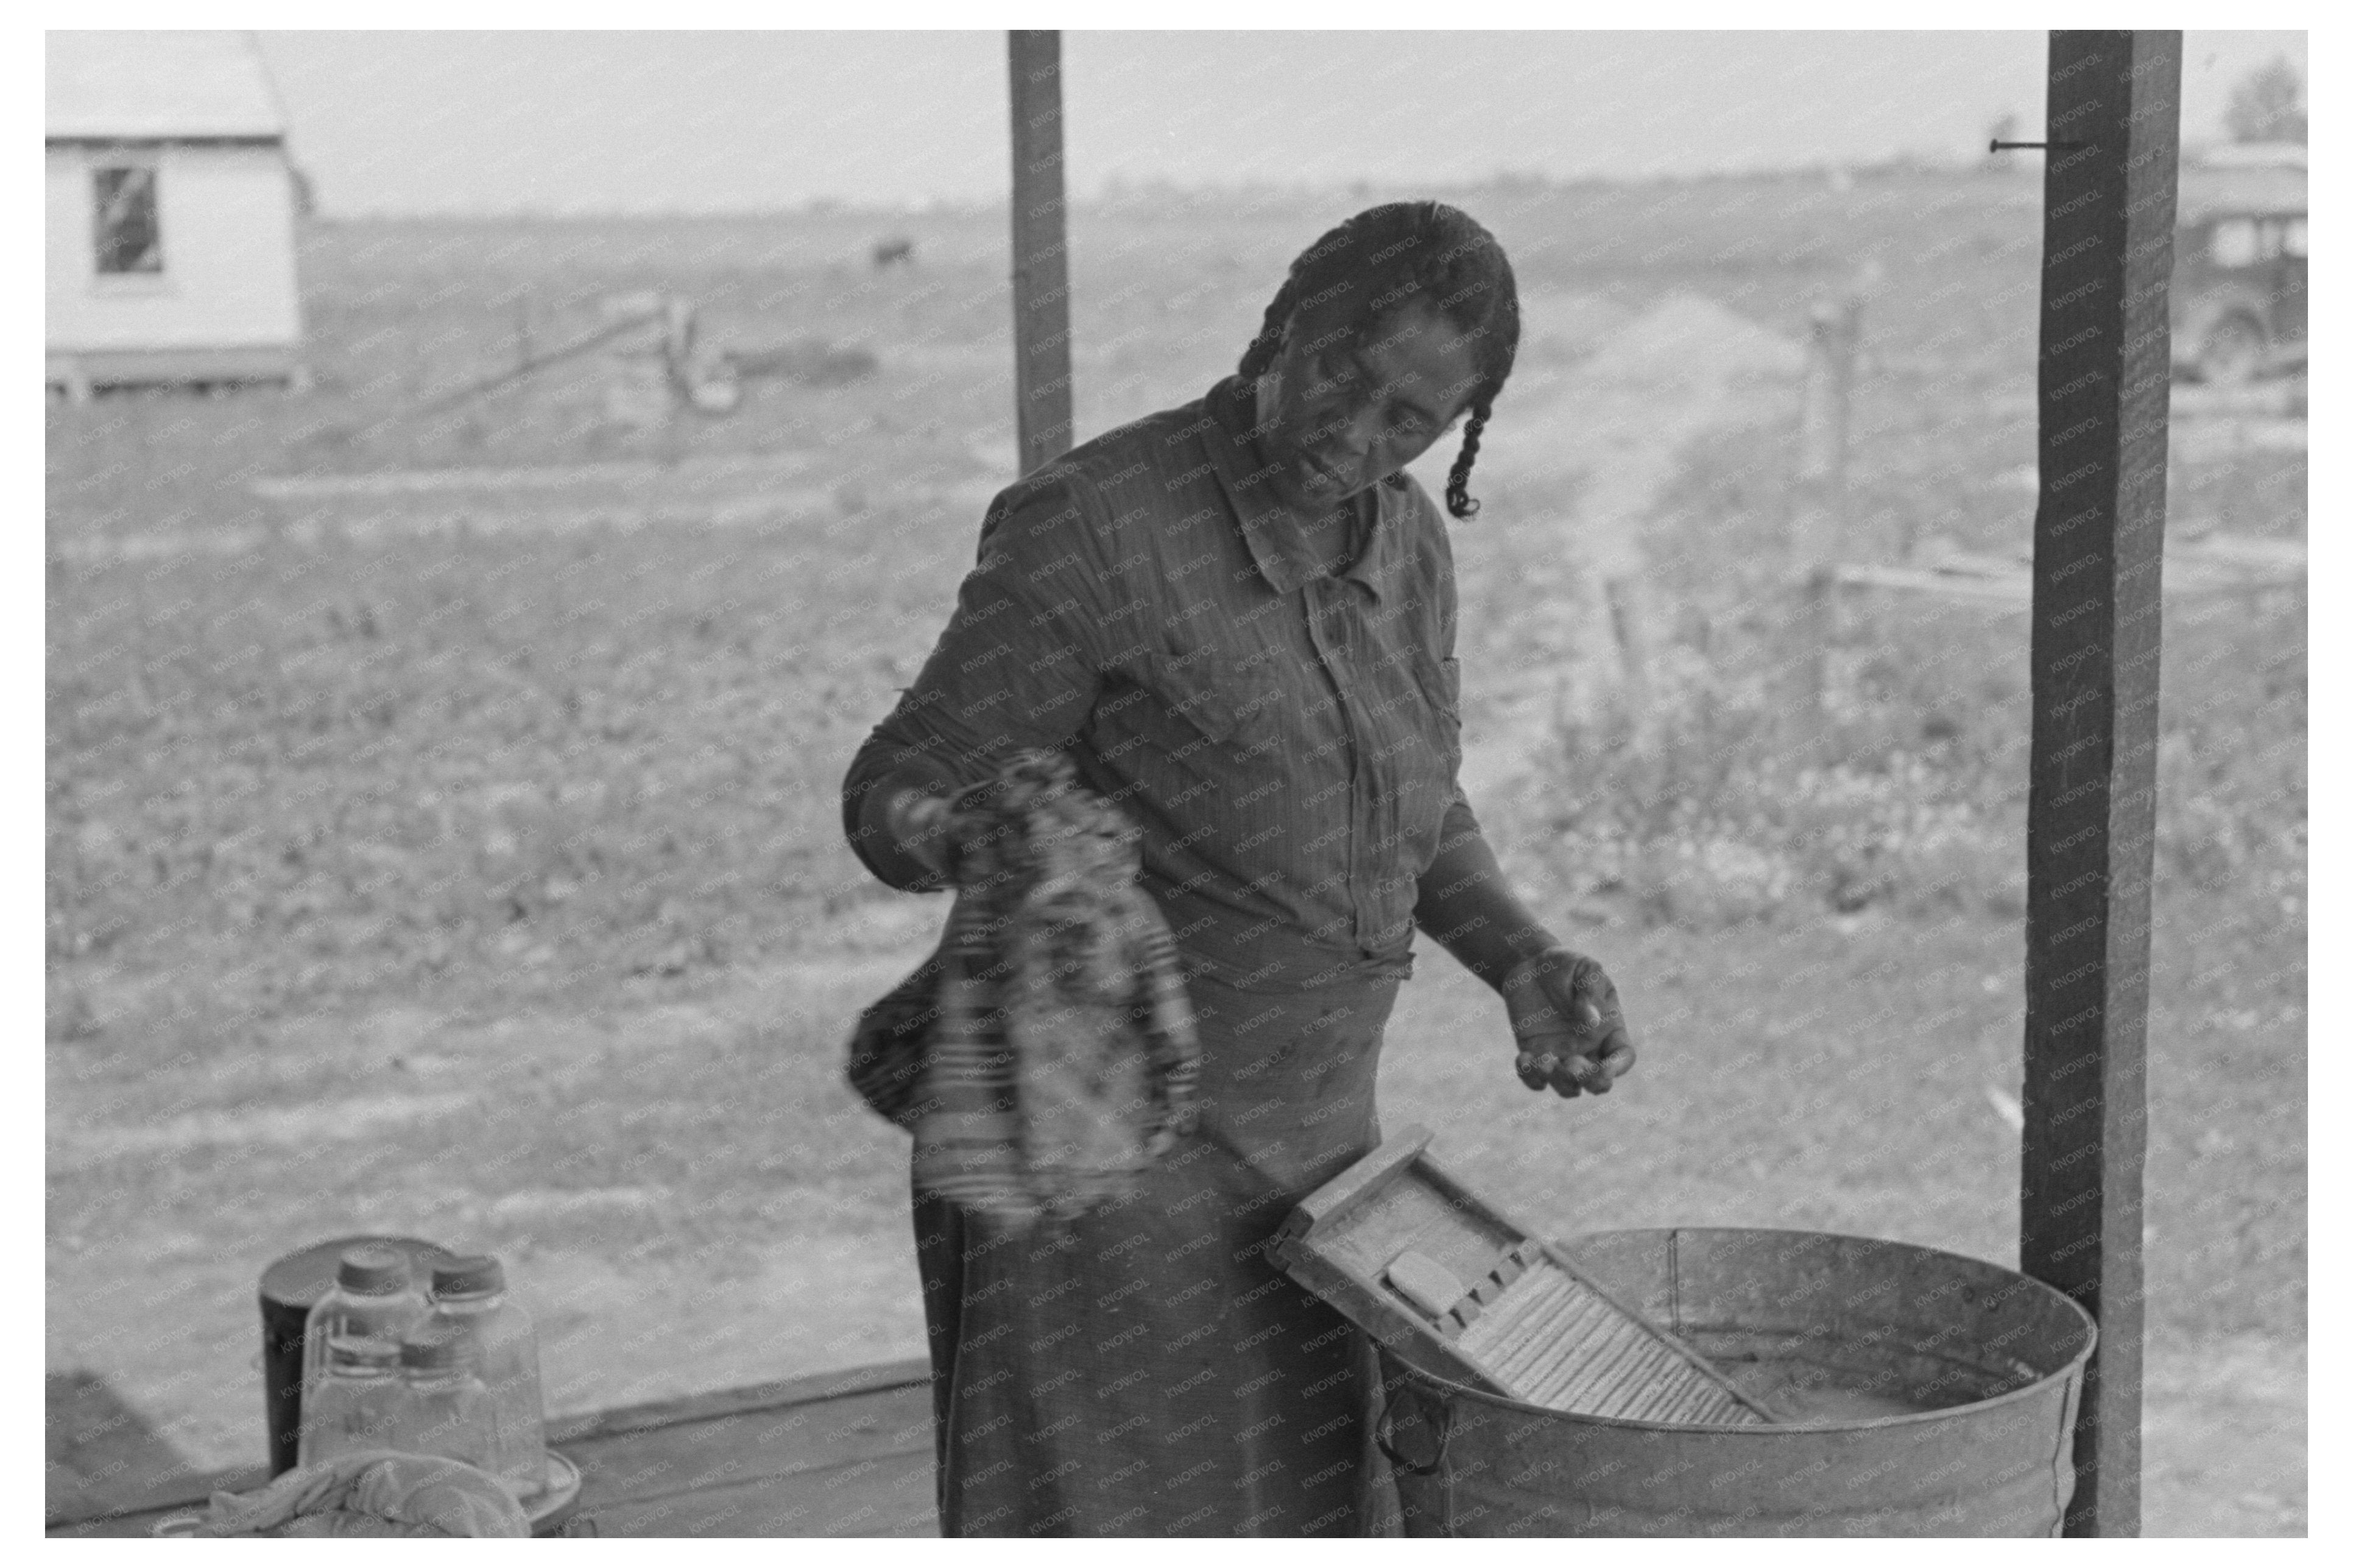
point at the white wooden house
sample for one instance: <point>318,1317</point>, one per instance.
<point>171,212</point>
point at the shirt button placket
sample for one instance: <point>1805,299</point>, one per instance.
<point>1311,606</point>
<point>1374,781</point>
<point>1332,627</point>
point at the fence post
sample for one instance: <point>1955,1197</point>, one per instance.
<point>638,389</point>
<point>1629,617</point>
<point>1819,503</point>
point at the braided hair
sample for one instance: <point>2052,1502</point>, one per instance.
<point>1389,255</point>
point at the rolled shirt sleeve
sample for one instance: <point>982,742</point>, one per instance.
<point>1019,664</point>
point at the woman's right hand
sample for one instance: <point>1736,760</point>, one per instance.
<point>930,830</point>
<point>937,833</point>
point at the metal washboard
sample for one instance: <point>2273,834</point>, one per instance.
<point>1444,1279</point>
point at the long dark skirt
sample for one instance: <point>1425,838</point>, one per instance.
<point>1146,1370</point>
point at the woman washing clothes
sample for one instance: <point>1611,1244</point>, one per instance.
<point>1237,618</point>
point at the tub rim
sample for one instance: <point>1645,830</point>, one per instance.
<point>2074,1367</point>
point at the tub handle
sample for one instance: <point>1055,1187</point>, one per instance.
<point>1412,1431</point>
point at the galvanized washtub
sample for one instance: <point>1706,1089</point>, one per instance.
<point>1926,1394</point>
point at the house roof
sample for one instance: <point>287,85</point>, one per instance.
<point>165,86</point>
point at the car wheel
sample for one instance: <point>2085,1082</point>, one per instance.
<point>2232,352</point>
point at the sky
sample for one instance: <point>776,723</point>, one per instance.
<point>613,122</point>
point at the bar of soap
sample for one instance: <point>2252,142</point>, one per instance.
<point>1424,1282</point>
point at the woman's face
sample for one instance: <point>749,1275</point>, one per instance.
<point>1346,404</point>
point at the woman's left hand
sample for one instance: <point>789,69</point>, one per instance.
<point>1570,1030</point>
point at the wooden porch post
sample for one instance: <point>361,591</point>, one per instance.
<point>1041,277</point>
<point>2104,378</point>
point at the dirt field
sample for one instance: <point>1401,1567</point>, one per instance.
<point>462,857</point>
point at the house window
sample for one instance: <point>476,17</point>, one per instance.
<point>128,239</point>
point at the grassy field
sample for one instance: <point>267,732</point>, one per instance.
<point>472,867</point>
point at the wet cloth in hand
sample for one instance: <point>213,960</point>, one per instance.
<point>1057,1054</point>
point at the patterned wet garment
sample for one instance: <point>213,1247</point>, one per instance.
<point>1062,1059</point>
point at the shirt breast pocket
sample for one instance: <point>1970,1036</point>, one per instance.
<point>1217,709</point>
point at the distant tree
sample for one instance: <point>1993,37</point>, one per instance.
<point>2267,105</point>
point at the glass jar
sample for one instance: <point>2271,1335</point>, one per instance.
<point>443,1409</point>
<point>350,1352</point>
<point>469,1298</point>
<point>355,1403</point>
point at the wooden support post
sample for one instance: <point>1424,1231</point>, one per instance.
<point>2108,259</point>
<point>1041,277</point>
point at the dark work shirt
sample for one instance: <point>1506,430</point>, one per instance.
<point>1287,743</point>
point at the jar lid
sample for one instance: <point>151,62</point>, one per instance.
<point>436,1347</point>
<point>372,1270</point>
<point>477,1274</point>
<point>296,1281</point>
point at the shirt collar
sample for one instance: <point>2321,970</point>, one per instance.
<point>1275,541</point>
